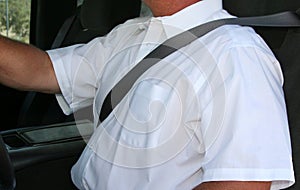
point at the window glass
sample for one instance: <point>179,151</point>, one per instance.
<point>15,19</point>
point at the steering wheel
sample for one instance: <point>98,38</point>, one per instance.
<point>7,175</point>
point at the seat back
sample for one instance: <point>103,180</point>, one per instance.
<point>97,17</point>
<point>285,43</point>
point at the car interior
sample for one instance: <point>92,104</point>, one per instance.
<point>40,144</point>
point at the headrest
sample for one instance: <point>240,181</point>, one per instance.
<point>259,7</point>
<point>105,14</point>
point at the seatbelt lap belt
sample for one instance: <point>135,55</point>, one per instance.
<point>285,19</point>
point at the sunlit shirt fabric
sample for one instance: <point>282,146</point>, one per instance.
<point>212,111</point>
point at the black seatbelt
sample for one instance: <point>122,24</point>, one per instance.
<point>62,33</point>
<point>284,19</point>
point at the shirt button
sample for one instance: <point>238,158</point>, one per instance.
<point>142,27</point>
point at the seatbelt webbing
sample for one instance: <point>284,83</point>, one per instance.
<point>62,33</point>
<point>284,19</point>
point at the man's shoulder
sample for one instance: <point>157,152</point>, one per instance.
<point>234,36</point>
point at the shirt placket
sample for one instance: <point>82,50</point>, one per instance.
<point>155,35</point>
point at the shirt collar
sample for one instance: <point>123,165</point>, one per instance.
<point>190,17</point>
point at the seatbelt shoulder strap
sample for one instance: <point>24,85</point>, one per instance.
<point>284,19</point>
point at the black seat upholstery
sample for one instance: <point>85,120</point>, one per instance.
<point>93,18</point>
<point>97,17</point>
<point>285,43</point>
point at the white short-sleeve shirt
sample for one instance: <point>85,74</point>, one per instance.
<point>212,111</point>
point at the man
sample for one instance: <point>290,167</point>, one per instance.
<point>209,116</point>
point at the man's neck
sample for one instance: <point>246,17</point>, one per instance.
<point>168,7</point>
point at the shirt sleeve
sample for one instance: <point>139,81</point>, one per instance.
<point>77,68</point>
<point>252,142</point>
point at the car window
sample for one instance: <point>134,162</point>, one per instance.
<point>15,19</point>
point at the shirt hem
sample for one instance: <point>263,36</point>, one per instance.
<point>280,178</point>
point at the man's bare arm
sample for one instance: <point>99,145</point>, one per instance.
<point>234,185</point>
<point>25,67</point>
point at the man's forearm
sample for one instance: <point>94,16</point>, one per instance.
<point>25,67</point>
<point>235,185</point>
